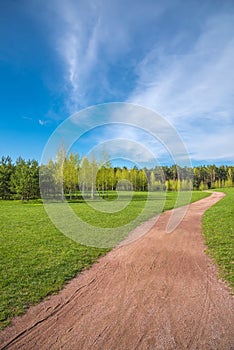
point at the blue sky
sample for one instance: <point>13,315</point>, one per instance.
<point>175,57</point>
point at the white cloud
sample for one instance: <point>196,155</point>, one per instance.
<point>212,147</point>
<point>128,149</point>
<point>195,91</point>
<point>92,38</point>
<point>129,124</point>
<point>43,122</point>
<point>198,82</point>
<point>27,118</point>
<point>78,47</point>
<point>186,76</point>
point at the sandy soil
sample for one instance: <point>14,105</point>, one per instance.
<point>159,292</point>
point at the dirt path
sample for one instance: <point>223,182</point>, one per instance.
<point>160,292</point>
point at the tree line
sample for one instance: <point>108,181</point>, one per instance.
<point>72,177</point>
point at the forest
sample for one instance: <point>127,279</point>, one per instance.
<point>69,176</point>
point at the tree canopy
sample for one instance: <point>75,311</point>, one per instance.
<point>69,176</point>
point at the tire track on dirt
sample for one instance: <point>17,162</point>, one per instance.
<point>56,310</point>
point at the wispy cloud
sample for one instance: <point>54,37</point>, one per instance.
<point>79,49</point>
<point>197,82</point>
<point>43,122</point>
<point>151,55</point>
<point>79,46</point>
<point>27,118</point>
<point>93,43</point>
<point>195,89</point>
<point>128,131</point>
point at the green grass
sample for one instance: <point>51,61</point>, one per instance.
<point>156,203</point>
<point>218,228</point>
<point>37,260</point>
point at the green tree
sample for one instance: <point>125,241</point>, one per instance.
<point>94,171</point>
<point>6,171</point>
<point>152,181</point>
<point>143,180</point>
<point>47,180</point>
<point>85,176</point>
<point>112,179</point>
<point>102,180</point>
<point>70,172</point>
<point>125,175</point>
<point>25,179</point>
<point>59,172</point>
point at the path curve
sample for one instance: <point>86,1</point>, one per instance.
<point>159,292</point>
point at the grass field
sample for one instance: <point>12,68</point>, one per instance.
<point>37,260</point>
<point>218,228</point>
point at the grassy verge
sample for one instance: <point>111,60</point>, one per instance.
<point>156,203</point>
<point>218,228</point>
<point>37,260</point>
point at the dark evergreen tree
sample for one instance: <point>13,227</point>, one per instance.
<point>6,171</point>
<point>25,179</point>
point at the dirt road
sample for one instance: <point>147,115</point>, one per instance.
<point>159,292</point>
